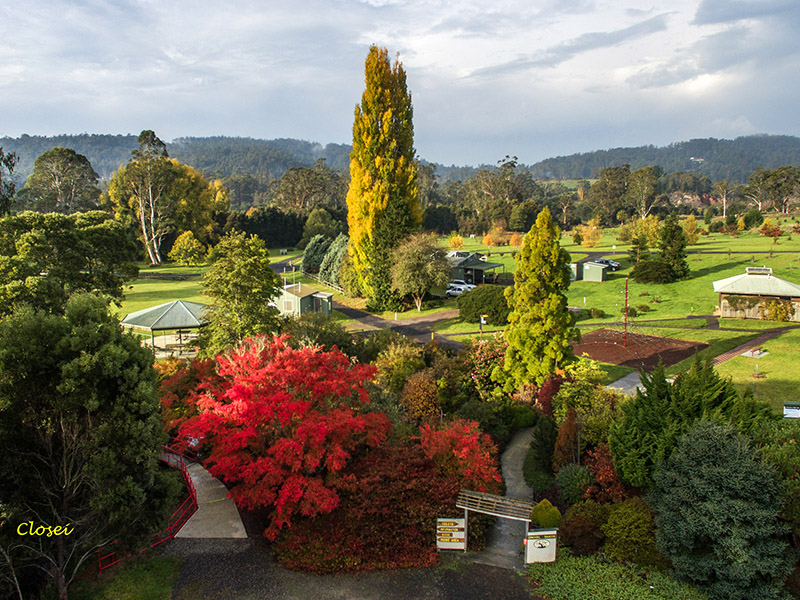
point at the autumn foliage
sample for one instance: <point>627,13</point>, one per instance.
<point>279,423</point>
<point>460,448</point>
<point>606,487</point>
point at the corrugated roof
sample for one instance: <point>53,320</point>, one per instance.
<point>756,284</point>
<point>178,314</point>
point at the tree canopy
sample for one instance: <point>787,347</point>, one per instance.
<point>241,286</point>
<point>420,263</point>
<point>383,199</point>
<point>62,181</point>
<point>81,436</point>
<point>539,326</point>
<point>46,257</point>
<point>8,160</point>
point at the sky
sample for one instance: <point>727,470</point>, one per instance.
<point>529,78</point>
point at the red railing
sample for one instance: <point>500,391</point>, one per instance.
<point>178,519</point>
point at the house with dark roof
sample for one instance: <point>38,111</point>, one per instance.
<point>748,296</point>
<point>472,267</point>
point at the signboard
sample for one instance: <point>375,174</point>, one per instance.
<point>791,410</point>
<point>540,545</point>
<point>451,534</point>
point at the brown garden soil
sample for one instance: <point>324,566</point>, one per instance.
<point>638,351</point>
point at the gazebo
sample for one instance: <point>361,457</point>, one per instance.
<point>179,315</point>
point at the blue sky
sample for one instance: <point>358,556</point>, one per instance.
<point>535,79</point>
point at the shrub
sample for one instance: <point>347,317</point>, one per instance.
<point>718,507</point>
<point>455,241</point>
<point>630,534</point>
<point>547,392</point>
<point>643,308</point>
<point>392,484</point>
<point>421,397</point>
<point>652,271</point>
<point>581,527</point>
<point>716,226</point>
<point>753,218</point>
<point>573,481</point>
<point>567,450</point>
<point>461,449</point>
<point>331,263</point>
<point>597,313</point>
<point>401,359</point>
<point>483,357</point>
<point>777,310</point>
<point>538,466</point>
<point>486,299</point>
<point>606,486</point>
<point>632,312</point>
<point>545,516</point>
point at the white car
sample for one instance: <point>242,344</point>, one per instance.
<point>455,290</point>
<point>463,284</point>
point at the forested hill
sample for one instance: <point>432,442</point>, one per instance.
<point>716,159</point>
<point>225,156</point>
<point>214,156</point>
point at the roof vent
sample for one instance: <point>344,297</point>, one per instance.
<point>758,271</point>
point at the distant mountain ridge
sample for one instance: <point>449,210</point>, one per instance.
<point>716,159</point>
<point>223,156</point>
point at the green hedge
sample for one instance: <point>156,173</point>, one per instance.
<point>485,299</point>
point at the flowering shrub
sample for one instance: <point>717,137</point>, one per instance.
<point>462,450</point>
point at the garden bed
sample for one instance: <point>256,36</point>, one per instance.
<point>638,351</point>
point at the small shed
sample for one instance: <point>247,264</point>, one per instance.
<point>472,267</point>
<point>303,298</point>
<point>749,295</point>
<point>593,271</point>
<point>180,316</point>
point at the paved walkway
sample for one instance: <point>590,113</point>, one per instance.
<point>217,515</point>
<point>504,542</point>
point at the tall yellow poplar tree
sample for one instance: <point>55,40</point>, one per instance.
<point>383,199</point>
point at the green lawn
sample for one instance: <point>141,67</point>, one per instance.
<point>151,579</point>
<point>781,378</point>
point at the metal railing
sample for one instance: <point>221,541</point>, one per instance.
<point>107,554</point>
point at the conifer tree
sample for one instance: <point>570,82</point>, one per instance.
<point>383,199</point>
<point>540,325</point>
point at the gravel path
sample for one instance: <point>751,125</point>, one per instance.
<point>243,570</point>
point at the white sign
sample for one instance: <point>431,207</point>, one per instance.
<point>540,545</point>
<point>451,534</point>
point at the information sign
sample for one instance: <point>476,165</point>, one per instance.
<point>451,534</point>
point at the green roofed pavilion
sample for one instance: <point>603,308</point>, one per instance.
<point>178,315</point>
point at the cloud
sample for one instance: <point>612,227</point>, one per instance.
<point>731,11</point>
<point>584,43</point>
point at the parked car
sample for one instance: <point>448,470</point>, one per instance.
<point>611,264</point>
<point>462,283</point>
<point>456,290</point>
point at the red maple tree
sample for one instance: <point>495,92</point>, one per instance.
<point>279,421</point>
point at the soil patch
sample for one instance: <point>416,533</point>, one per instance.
<point>638,350</point>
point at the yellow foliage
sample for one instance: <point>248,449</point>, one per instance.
<point>455,241</point>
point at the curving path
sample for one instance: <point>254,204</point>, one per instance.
<point>217,515</point>
<point>504,542</point>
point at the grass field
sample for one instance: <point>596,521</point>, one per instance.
<point>780,381</point>
<point>151,579</point>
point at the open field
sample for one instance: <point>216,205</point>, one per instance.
<point>780,381</point>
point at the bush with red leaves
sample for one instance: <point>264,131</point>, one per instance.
<point>386,518</point>
<point>280,423</point>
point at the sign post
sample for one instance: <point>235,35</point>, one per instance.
<point>451,534</point>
